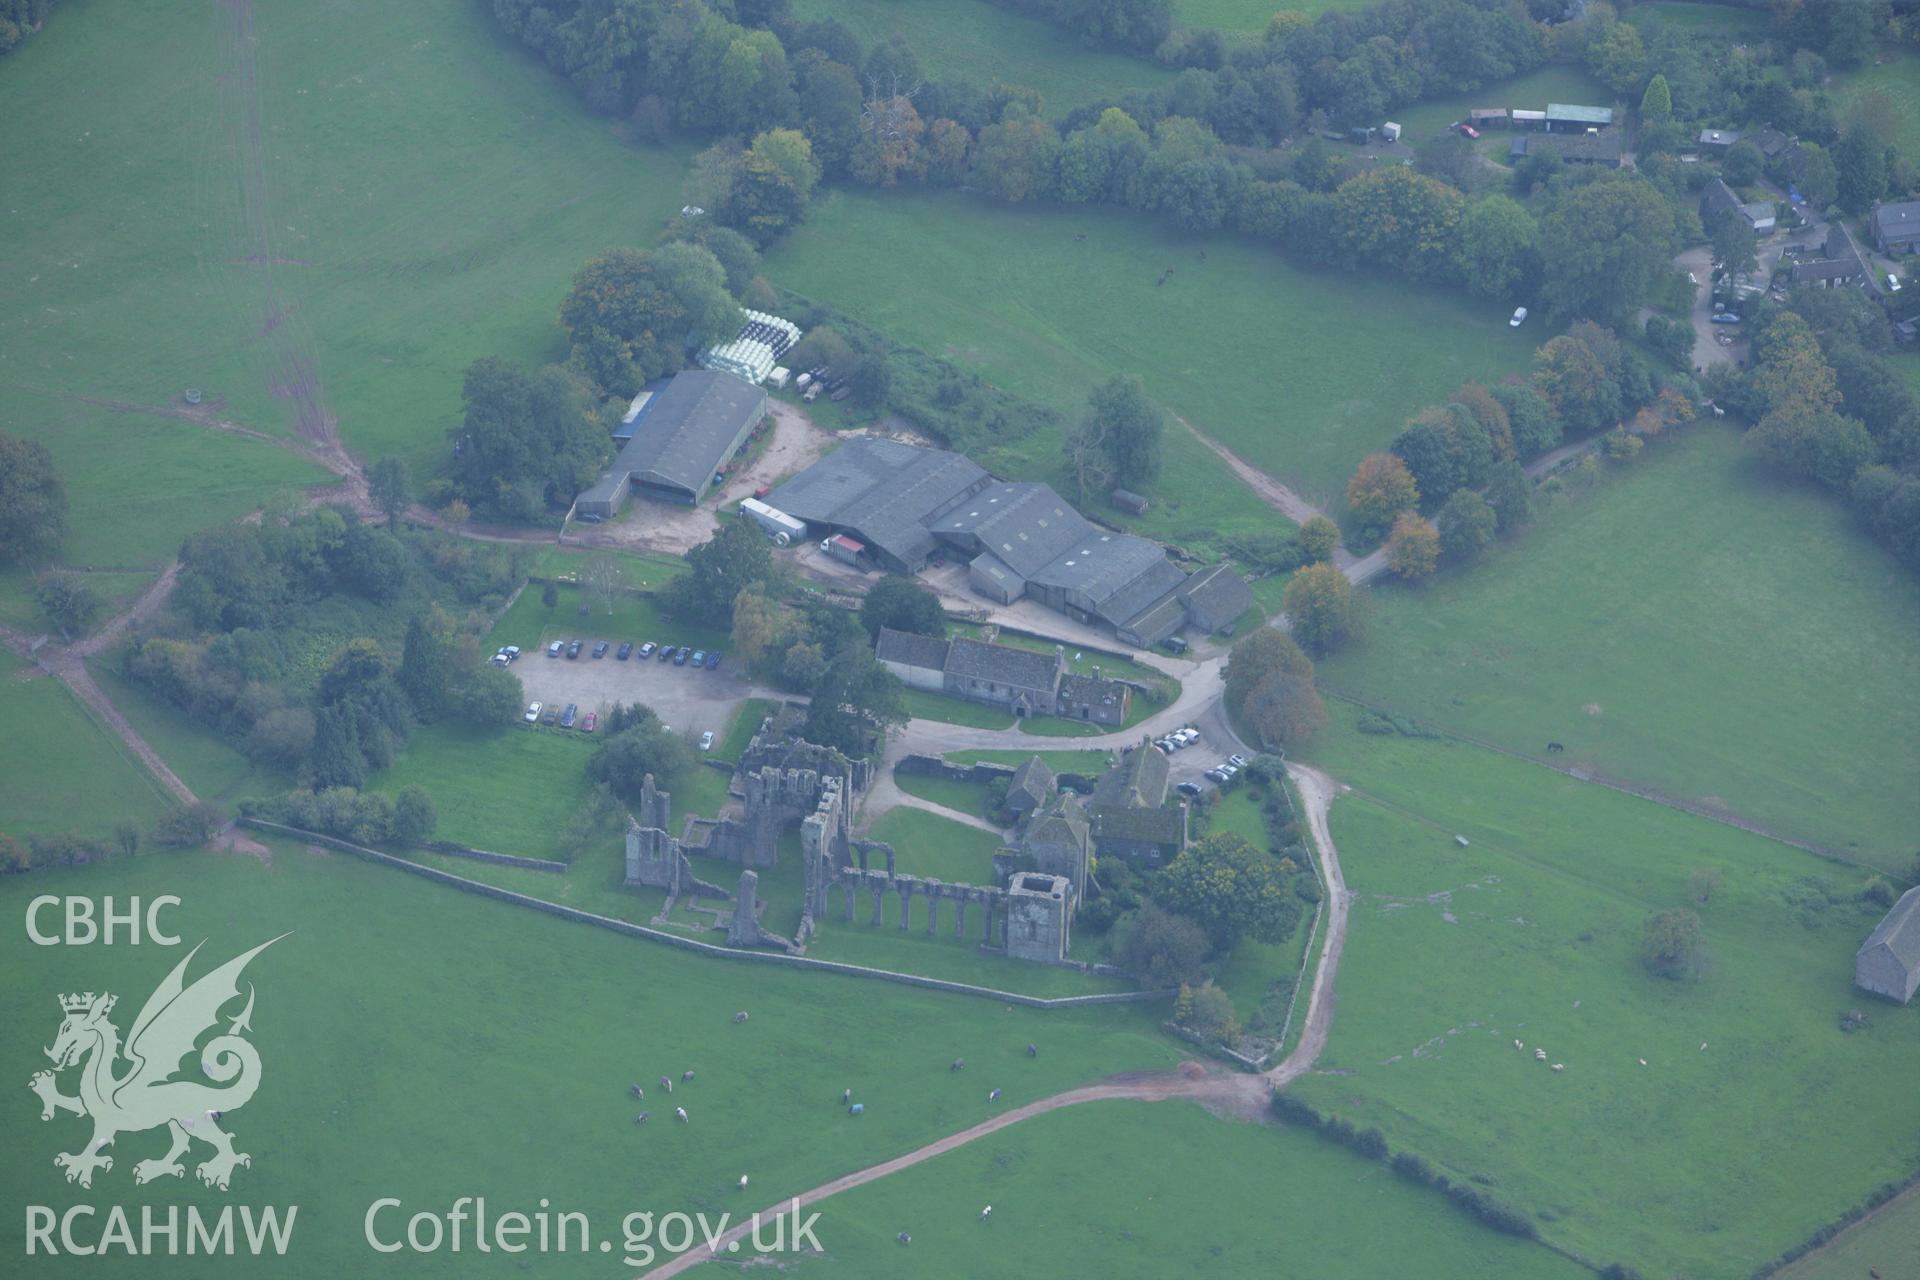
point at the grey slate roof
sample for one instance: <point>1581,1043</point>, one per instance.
<point>1845,268</point>
<point>689,430</point>
<point>1899,932</point>
<point>911,650</point>
<point>1001,664</point>
<point>884,491</point>
<point>1717,199</point>
<point>1138,781</point>
<point>1897,221</point>
<point>1771,142</point>
<point>1162,825</point>
<point>1032,779</point>
<point>1216,596</point>
<point>1024,525</point>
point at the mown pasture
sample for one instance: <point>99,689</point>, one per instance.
<point>423,1043</point>
<point>1531,932</point>
<point>1692,625</point>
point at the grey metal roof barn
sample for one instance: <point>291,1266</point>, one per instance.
<point>1020,539</point>
<point>883,493</point>
<point>1888,962</point>
<point>1578,117</point>
<point>688,430</point>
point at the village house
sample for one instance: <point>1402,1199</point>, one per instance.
<point>1888,962</point>
<point>1026,682</point>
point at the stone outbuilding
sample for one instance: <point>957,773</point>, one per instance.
<point>1888,962</point>
<point>1030,787</point>
<point>1026,682</point>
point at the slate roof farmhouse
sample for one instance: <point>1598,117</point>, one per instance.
<point>908,504</point>
<point>1896,227</point>
<point>1024,681</point>
<point>1888,962</point>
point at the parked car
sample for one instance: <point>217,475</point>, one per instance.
<point>551,715</point>
<point>646,650</point>
<point>566,717</point>
<point>699,658</point>
<point>573,650</point>
<point>1216,775</point>
<point>553,650</point>
<point>593,718</point>
<point>1237,760</point>
<point>1726,317</point>
<point>600,650</point>
<point>681,655</point>
<point>1227,771</point>
<point>713,660</point>
<point>1188,736</point>
<point>1519,318</point>
<point>1191,790</point>
<point>624,651</point>
<point>706,740</point>
<point>499,660</point>
<point>1893,283</point>
<point>1467,131</point>
<point>512,651</point>
<point>533,713</point>
<point>1167,744</point>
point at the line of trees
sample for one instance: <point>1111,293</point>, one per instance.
<point>1827,406</point>
<point>1454,479</point>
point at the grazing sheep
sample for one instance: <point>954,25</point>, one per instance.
<point>857,1108</point>
<point>1643,1062</point>
<point>666,1084</point>
<point>682,1113</point>
<point>741,1016</point>
<point>1539,1055</point>
<point>642,1117</point>
<point>1518,1045</point>
<point>1703,1046</point>
<point>743,1182</point>
<point>1559,1066</point>
<point>959,1063</point>
<point>986,1213</point>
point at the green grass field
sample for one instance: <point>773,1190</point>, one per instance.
<point>214,769</point>
<point>1685,15</point>
<point>922,705</point>
<point>509,790</point>
<point>966,797</point>
<point>1531,933</point>
<point>979,41</point>
<point>1249,15</point>
<point>60,772</point>
<point>423,190</point>
<point>1691,625</point>
<point>1897,79</point>
<point>424,1044</point>
<point>928,845</point>
<point>1091,763</point>
<point>1888,1242</point>
<point>1183,1194</point>
<point>1530,92</point>
<point>1010,292</point>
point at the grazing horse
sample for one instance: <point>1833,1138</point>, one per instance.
<point>1555,748</point>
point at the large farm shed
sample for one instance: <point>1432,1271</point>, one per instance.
<point>685,432</point>
<point>1020,539</point>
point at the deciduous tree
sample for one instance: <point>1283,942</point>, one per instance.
<point>1318,604</point>
<point>33,504</point>
<point>901,604</point>
<point>1318,538</point>
<point>1230,889</point>
<point>1380,489</point>
<point>1413,550</point>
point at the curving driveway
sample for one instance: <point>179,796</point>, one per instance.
<point>1194,1081</point>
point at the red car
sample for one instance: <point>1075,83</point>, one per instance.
<point>1468,131</point>
<point>586,726</point>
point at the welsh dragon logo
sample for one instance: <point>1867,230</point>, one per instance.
<point>146,1095</point>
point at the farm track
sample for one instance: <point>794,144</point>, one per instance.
<point>1219,1091</point>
